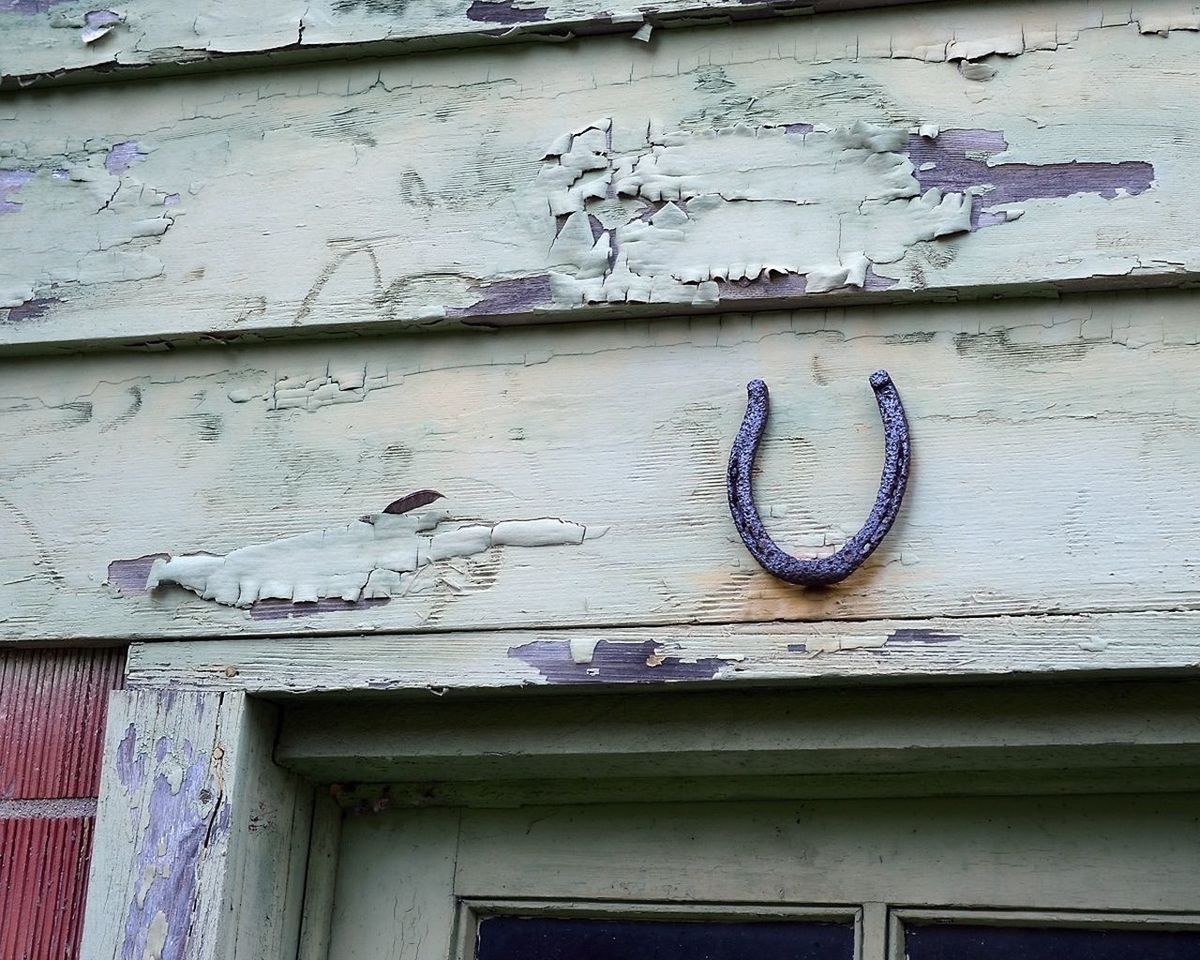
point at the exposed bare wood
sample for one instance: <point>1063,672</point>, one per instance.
<point>873,156</point>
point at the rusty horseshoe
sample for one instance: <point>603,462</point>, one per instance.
<point>836,567</point>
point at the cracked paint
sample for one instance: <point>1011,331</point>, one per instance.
<point>12,181</point>
<point>781,209</point>
<point>95,223</point>
<point>369,560</point>
<point>98,24</point>
<point>857,164</point>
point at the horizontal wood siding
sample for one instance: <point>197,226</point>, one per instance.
<point>933,151</point>
<point>1055,446</point>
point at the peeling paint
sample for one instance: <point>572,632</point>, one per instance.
<point>185,816</point>
<point>97,24</point>
<point>780,209</point>
<point>960,161</point>
<point>920,635</point>
<point>612,661</point>
<point>128,577</point>
<point>30,310</point>
<point>122,156</point>
<point>506,297</point>
<point>372,559</point>
<point>96,222</point>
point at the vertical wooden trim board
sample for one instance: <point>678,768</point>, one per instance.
<point>201,841</point>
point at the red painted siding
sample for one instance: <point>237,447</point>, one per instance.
<point>53,705</point>
<point>43,879</point>
<point>52,709</point>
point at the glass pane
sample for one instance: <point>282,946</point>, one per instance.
<point>546,938</point>
<point>945,941</point>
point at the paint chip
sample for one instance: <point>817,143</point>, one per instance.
<point>98,24</point>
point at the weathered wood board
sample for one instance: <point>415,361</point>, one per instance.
<point>752,653</point>
<point>42,40</point>
<point>951,151</point>
<point>201,841</point>
<point>583,467</point>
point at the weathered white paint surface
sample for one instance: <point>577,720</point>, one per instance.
<point>935,150</point>
<point>42,39</point>
<point>1055,450</point>
<point>900,649</point>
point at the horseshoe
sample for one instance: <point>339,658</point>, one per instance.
<point>837,567</point>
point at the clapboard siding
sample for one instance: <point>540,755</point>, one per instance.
<point>1055,456</point>
<point>932,151</point>
<point>48,40</point>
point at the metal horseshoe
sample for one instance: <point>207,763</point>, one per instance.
<point>837,567</point>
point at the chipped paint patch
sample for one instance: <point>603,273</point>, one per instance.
<point>506,12</point>
<point>97,24</point>
<point>96,221</point>
<point>779,210</point>
<point>514,296</point>
<point>962,161</point>
<point>12,181</point>
<point>612,661</point>
<point>30,310</point>
<point>128,577</point>
<point>122,156</point>
<point>373,559</point>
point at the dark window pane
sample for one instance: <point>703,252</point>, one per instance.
<point>544,938</point>
<point>965,942</point>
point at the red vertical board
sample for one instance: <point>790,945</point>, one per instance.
<point>52,709</point>
<point>53,705</point>
<point>43,880</point>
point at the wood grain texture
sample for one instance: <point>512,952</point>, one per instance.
<point>43,878</point>
<point>686,655</point>
<point>1054,457</point>
<point>53,40</point>
<point>52,710</point>
<point>201,840</point>
<point>872,156</point>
